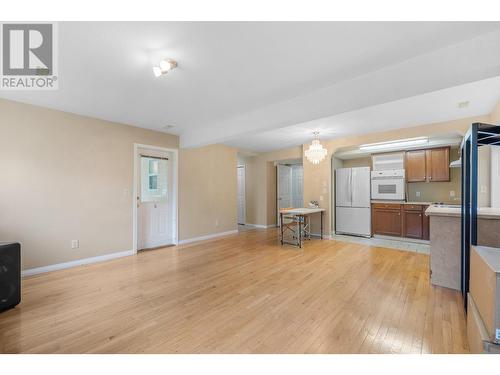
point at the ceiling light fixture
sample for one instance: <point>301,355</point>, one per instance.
<point>398,144</point>
<point>166,65</point>
<point>316,152</point>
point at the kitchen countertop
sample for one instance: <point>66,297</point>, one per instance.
<point>491,256</point>
<point>400,202</point>
<point>482,212</point>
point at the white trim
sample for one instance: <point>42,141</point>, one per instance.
<point>135,189</point>
<point>262,226</point>
<point>208,237</point>
<point>76,263</point>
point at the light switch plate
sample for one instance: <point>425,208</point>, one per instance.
<point>75,244</point>
<point>417,194</point>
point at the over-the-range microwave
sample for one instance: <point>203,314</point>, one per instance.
<point>388,184</point>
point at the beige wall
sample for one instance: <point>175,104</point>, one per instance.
<point>358,162</point>
<point>261,185</point>
<point>66,177</point>
<point>316,176</point>
<point>318,179</point>
<point>207,191</point>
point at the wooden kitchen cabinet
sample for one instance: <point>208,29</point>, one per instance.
<point>400,220</point>
<point>415,166</point>
<point>438,164</point>
<point>386,219</point>
<point>430,165</point>
<point>413,221</point>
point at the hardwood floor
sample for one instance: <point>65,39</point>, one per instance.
<point>240,294</point>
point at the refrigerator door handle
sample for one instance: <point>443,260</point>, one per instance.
<point>351,186</point>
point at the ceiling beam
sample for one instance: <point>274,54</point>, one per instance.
<point>469,61</point>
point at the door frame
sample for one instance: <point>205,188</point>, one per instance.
<point>135,190</point>
<point>244,192</point>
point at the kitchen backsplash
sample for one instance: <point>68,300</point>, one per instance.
<point>438,191</point>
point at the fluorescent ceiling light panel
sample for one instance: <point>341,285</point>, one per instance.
<point>400,143</point>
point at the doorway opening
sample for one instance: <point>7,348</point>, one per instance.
<point>155,197</point>
<point>289,185</point>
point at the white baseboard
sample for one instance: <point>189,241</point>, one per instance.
<point>262,226</point>
<point>75,263</point>
<point>207,237</point>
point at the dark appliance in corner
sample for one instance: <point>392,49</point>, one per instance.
<point>10,275</point>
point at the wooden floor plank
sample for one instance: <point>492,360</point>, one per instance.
<point>240,294</point>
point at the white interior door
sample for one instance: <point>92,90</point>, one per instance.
<point>297,185</point>
<point>284,188</point>
<point>241,195</point>
<point>155,202</point>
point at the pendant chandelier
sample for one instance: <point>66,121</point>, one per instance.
<point>316,152</point>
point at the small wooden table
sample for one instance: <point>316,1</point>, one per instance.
<point>301,213</point>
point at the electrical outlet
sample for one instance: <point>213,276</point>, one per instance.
<point>484,189</point>
<point>452,193</point>
<point>75,244</point>
<point>321,198</point>
<point>216,222</point>
<point>417,194</point>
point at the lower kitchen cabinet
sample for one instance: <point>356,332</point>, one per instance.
<point>400,220</point>
<point>412,224</point>
<point>386,219</point>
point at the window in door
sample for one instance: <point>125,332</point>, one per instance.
<point>154,179</point>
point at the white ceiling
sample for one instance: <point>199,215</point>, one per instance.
<point>237,79</point>
<point>428,108</point>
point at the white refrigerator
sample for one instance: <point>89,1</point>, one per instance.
<point>352,198</point>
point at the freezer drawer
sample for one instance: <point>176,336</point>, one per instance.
<point>352,220</point>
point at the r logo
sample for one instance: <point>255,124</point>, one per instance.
<point>27,49</point>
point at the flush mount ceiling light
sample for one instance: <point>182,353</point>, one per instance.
<point>166,65</point>
<point>398,144</point>
<point>316,152</point>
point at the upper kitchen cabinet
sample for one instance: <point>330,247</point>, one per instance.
<point>415,166</point>
<point>431,165</point>
<point>438,164</point>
